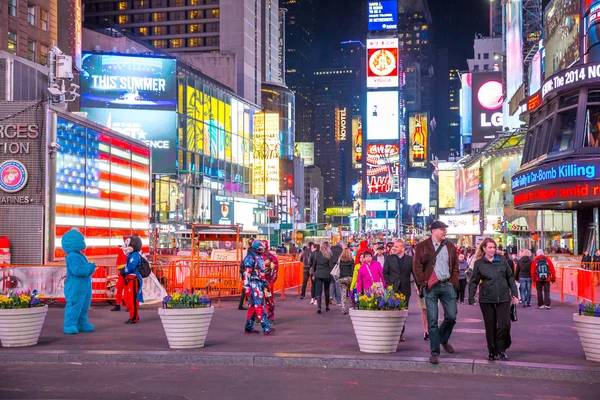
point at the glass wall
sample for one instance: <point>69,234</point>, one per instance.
<point>279,99</point>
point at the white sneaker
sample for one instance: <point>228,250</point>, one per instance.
<point>312,301</point>
<point>547,307</point>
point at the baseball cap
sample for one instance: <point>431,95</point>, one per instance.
<point>438,225</point>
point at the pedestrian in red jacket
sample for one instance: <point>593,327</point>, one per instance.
<point>542,273</point>
<point>121,262</point>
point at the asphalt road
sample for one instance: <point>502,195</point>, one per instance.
<point>157,382</point>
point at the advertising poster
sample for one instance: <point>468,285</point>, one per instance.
<point>110,81</point>
<point>222,210</point>
<point>382,168</point>
<point>158,129</point>
<point>382,63</point>
<point>447,189</point>
<point>418,149</point>
<point>382,115</point>
<point>461,224</point>
<point>265,179</point>
<point>305,151</point>
<point>383,15</point>
<point>466,120</point>
<point>418,193</point>
<point>514,46</point>
<point>357,142</point>
<point>561,35</point>
<point>487,99</point>
<point>592,34</point>
<point>467,189</point>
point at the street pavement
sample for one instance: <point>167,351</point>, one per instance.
<point>541,338</point>
<point>177,382</point>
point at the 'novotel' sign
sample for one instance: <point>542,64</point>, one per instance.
<point>577,170</point>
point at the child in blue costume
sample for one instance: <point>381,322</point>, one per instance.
<point>78,285</point>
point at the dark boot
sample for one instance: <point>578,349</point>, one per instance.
<point>116,308</point>
<point>319,304</point>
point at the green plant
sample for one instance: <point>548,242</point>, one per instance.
<point>589,310</point>
<point>384,300</point>
<point>186,299</point>
<point>27,299</point>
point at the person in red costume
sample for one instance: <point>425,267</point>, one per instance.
<point>121,261</point>
<point>271,270</point>
<point>364,246</point>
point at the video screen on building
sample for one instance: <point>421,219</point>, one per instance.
<point>487,100</point>
<point>592,28</point>
<point>383,161</point>
<point>134,82</point>
<point>158,129</point>
<point>357,142</point>
<point>382,115</point>
<point>561,35</point>
<point>417,192</point>
<point>265,171</point>
<point>514,46</point>
<point>467,189</point>
<point>305,151</point>
<point>419,140</point>
<point>383,15</point>
<point>447,188</point>
<point>382,63</point>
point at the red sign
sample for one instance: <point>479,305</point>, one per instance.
<point>562,192</point>
<point>382,63</point>
<point>534,102</point>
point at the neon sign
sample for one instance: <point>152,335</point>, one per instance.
<point>586,169</point>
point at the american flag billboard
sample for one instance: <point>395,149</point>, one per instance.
<point>102,187</point>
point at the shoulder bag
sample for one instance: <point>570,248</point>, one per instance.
<point>442,245</point>
<point>335,272</point>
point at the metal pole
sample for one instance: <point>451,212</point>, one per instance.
<point>387,207</point>
<point>543,237</point>
<point>596,228</point>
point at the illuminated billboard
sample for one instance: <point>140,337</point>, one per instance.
<point>382,168</point>
<point>342,128</point>
<point>418,149</point>
<point>467,190</point>
<point>383,15</point>
<point>223,211</point>
<point>487,100</point>
<point>158,129</point>
<point>418,193</point>
<point>514,46</point>
<point>592,31</point>
<point>265,171</point>
<point>561,35</point>
<point>111,81</point>
<point>382,63</point>
<point>305,151</point>
<point>357,142</point>
<point>447,189</point>
<point>382,115</point>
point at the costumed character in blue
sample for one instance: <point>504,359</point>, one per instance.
<point>133,280</point>
<point>254,285</point>
<point>78,284</point>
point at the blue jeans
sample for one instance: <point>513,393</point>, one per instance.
<point>336,291</point>
<point>525,290</point>
<point>446,294</point>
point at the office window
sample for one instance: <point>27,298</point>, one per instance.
<point>564,131</point>
<point>12,8</point>
<point>195,14</point>
<point>479,56</point>
<point>486,67</point>
<point>123,19</point>
<point>159,17</point>
<point>592,127</point>
<point>212,27</point>
<point>43,54</point>
<point>12,42</point>
<point>176,43</point>
<point>159,30</point>
<point>177,3</point>
<point>143,31</point>
<point>31,50</point>
<point>178,16</point>
<point>212,41</point>
<point>215,13</point>
<point>123,5</point>
<point>159,3</point>
<point>177,30</point>
<point>140,4</point>
<point>194,28</point>
<point>160,44</point>
<point>486,56</point>
<point>144,17</point>
<point>44,19</point>
<point>31,15</point>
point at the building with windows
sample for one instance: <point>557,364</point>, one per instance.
<point>249,30</point>
<point>454,111</point>
<point>487,54</point>
<point>28,28</point>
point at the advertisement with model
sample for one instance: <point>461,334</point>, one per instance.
<point>487,100</point>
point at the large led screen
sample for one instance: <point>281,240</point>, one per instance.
<point>305,151</point>
<point>102,188</point>
<point>382,168</point>
<point>380,205</point>
<point>561,35</point>
<point>223,211</point>
<point>382,63</point>
<point>110,81</point>
<point>447,189</point>
<point>592,27</point>
<point>487,103</point>
<point>467,190</point>
<point>158,129</point>
<point>383,15</point>
<point>382,115</point>
<point>265,171</point>
<point>514,46</point>
<point>417,192</point>
<point>357,142</point>
<point>418,149</point>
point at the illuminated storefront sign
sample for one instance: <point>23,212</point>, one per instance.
<point>383,15</point>
<point>382,63</point>
<point>560,192</point>
<point>417,151</point>
<point>357,142</point>
<point>343,127</point>
<point>577,170</point>
<point>265,180</point>
<point>115,81</point>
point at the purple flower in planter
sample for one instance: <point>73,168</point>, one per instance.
<point>597,311</point>
<point>381,303</point>
<point>391,303</point>
<point>166,299</point>
<point>398,302</point>
<point>581,308</point>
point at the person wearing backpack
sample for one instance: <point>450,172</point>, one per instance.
<point>542,273</point>
<point>133,278</point>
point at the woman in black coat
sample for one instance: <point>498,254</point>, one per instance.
<point>322,276</point>
<point>497,290</point>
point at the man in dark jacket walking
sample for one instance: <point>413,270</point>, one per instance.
<point>437,273</point>
<point>397,269</point>
<point>524,276</point>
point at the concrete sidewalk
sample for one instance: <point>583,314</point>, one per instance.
<point>545,342</point>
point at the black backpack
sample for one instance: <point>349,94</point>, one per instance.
<point>144,268</point>
<point>541,269</point>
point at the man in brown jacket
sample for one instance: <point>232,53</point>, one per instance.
<point>438,277</point>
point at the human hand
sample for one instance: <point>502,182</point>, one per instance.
<point>515,300</point>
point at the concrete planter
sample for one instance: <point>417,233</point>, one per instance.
<point>21,327</point>
<point>186,328</point>
<point>378,331</point>
<point>588,329</point>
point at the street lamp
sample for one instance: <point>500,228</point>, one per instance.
<point>504,223</point>
<point>503,188</point>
